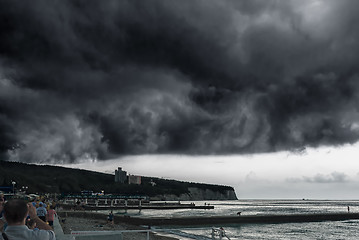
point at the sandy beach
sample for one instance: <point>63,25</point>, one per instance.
<point>87,224</point>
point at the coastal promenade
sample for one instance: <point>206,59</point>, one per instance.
<point>243,219</point>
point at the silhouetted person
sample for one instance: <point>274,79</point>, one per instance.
<point>110,218</point>
<point>15,212</point>
<point>348,209</point>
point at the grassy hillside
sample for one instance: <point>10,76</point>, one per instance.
<point>52,179</point>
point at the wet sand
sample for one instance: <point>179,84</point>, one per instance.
<point>92,221</point>
<point>90,224</point>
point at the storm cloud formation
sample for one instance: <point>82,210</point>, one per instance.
<point>97,79</point>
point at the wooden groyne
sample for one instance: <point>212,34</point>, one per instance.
<point>263,219</point>
<point>213,220</point>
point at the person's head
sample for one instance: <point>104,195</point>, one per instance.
<point>15,211</point>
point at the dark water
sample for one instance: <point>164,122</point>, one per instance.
<point>348,230</point>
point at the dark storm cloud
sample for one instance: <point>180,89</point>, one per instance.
<point>94,79</point>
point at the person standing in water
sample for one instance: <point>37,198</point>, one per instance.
<point>110,218</point>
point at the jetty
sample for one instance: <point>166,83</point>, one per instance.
<point>134,207</point>
<point>121,202</point>
<point>216,220</point>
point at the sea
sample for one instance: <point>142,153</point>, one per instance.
<point>348,230</point>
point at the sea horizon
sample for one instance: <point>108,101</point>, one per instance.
<point>296,231</point>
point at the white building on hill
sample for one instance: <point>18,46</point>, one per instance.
<point>120,176</point>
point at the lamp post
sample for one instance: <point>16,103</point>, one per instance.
<point>13,187</point>
<point>24,189</point>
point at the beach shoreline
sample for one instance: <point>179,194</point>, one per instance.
<point>78,223</point>
<point>205,220</point>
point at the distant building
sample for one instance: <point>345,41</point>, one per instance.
<point>120,176</point>
<point>132,179</point>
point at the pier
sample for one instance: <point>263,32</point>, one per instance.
<point>136,207</point>
<point>120,202</point>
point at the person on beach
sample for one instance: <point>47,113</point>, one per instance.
<point>222,232</point>
<point>110,218</point>
<point>51,213</point>
<point>15,212</point>
<point>41,212</point>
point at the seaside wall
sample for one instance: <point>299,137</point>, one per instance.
<point>198,194</point>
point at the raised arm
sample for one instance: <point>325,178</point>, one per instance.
<point>40,224</point>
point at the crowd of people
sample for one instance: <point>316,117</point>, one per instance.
<point>26,220</point>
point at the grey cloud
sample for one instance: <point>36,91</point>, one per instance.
<point>334,177</point>
<point>97,79</point>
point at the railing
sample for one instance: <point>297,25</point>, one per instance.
<point>106,196</point>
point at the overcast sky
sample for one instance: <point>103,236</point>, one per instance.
<point>100,80</point>
<point>324,173</point>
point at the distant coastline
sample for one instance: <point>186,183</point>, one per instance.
<point>43,179</point>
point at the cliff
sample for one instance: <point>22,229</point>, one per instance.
<point>198,194</point>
